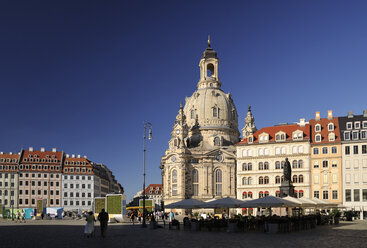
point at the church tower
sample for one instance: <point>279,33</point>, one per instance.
<point>201,158</point>
<point>249,128</point>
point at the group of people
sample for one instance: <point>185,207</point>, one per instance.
<point>89,227</point>
<point>134,215</point>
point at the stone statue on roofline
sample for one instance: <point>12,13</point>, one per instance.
<point>287,171</point>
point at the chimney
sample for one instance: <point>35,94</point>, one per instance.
<point>10,153</point>
<point>84,156</point>
<point>317,115</point>
<point>67,155</point>
<point>365,113</point>
<point>78,156</point>
<point>1,153</point>
<point>42,149</point>
<point>350,114</point>
<point>72,155</point>
<point>31,149</point>
<point>330,114</point>
<point>302,122</point>
<point>53,149</point>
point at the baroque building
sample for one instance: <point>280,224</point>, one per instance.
<point>261,155</point>
<point>326,158</point>
<point>201,158</point>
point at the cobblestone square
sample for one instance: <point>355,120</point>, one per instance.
<point>69,233</point>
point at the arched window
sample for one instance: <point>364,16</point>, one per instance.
<point>249,166</point>
<point>244,167</point>
<point>300,193</point>
<point>261,166</point>
<point>249,194</point>
<point>261,152</point>
<point>295,179</point>
<point>277,165</point>
<point>277,150</point>
<point>266,180</point>
<point>300,178</point>
<point>217,141</point>
<point>175,142</point>
<point>244,181</point>
<point>192,114</point>
<point>282,165</point>
<point>250,141</point>
<point>266,166</point>
<point>266,150</point>
<point>261,194</point>
<point>249,181</point>
<point>218,182</point>
<point>294,149</point>
<point>300,163</point>
<point>244,195</point>
<point>216,112</point>
<point>266,193</point>
<point>277,179</point>
<point>294,164</point>
<point>174,182</point>
<point>195,182</point>
<point>261,180</point>
<point>282,137</point>
<point>244,153</point>
<point>277,193</point>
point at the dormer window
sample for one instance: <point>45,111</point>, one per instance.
<point>355,135</point>
<point>347,135</point>
<point>349,125</point>
<point>250,140</point>
<point>317,128</point>
<point>331,136</point>
<point>280,136</point>
<point>330,127</point>
<point>318,137</point>
<point>364,124</point>
<point>263,138</point>
<point>357,125</point>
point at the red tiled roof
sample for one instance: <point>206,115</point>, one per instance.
<point>324,130</point>
<point>41,155</point>
<point>288,129</point>
<point>155,186</point>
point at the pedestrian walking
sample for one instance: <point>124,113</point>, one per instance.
<point>171,216</point>
<point>23,216</point>
<point>89,226</point>
<point>103,220</point>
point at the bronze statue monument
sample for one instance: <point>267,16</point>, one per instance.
<point>287,188</point>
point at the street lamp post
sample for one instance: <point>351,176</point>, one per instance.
<point>147,126</point>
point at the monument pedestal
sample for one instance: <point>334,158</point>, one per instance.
<point>287,189</point>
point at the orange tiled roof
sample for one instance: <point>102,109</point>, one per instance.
<point>287,129</point>
<point>324,130</point>
<point>41,155</point>
<point>154,186</point>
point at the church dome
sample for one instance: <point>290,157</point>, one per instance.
<point>209,109</point>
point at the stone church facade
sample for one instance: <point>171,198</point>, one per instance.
<point>200,162</point>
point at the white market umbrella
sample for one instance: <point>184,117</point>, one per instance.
<point>307,202</point>
<point>268,202</point>
<point>185,204</point>
<point>226,202</point>
<point>322,203</point>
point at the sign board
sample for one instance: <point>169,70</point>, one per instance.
<point>99,203</point>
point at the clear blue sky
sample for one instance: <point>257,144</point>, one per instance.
<point>82,76</point>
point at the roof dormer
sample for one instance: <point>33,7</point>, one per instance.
<point>297,135</point>
<point>280,136</point>
<point>263,137</point>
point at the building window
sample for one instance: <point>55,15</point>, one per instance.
<point>317,128</point>
<point>356,195</point>
<point>277,165</point>
<point>261,194</point>
<point>295,179</point>
<point>316,151</point>
<point>277,179</point>
<point>364,149</point>
<point>324,150</point>
<point>355,135</point>
<point>249,181</point>
<point>325,194</point>
<point>331,136</point>
<point>334,150</point>
<point>357,125</point>
<point>261,180</point>
<point>266,180</point>
<point>218,182</point>
<point>195,182</point>
<point>325,164</point>
<point>300,178</point>
<point>244,195</point>
<point>330,127</point>
<point>364,192</point>
<point>347,150</point>
<point>363,134</point>
<point>249,166</point>
<point>244,181</point>
<point>335,194</point>
<point>316,194</point>
<point>174,182</point>
<point>217,141</point>
<point>349,125</point>
<point>355,149</point>
<point>300,164</point>
<point>318,137</point>
<point>334,164</point>
<point>294,164</point>
<point>348,195</point>
<point>215,112</point>
<point>266,166</point>
<point>261,166</point>
<point>347,135</point>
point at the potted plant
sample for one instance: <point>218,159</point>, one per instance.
<point>335,213</point>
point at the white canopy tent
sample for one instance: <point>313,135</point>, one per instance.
<point>268,202</point>
<point>227,202</point>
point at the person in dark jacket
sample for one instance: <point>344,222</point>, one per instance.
<point>103,219</point>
